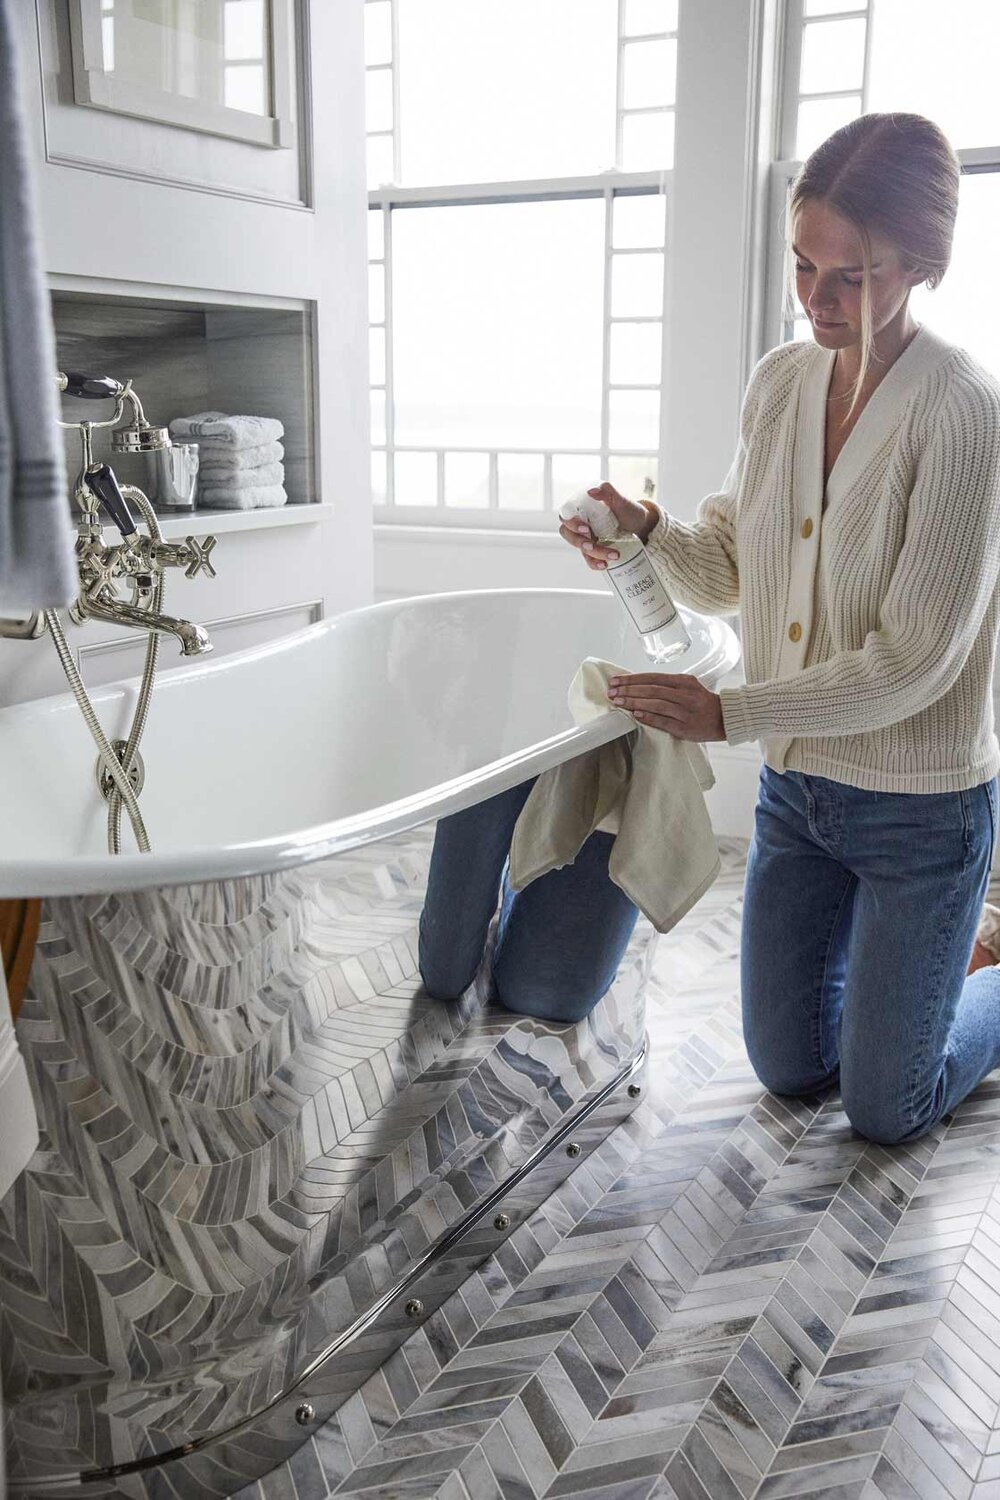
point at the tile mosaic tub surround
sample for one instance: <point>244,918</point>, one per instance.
<point>734,1297</point>
<point>255,1120</point>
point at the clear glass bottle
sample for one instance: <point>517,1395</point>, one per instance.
<point>635,580</point>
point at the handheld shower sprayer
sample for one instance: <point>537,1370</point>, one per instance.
<point>137,436</point>
<point>97,482</point>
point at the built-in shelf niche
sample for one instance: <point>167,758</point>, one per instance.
<point>191,356</point>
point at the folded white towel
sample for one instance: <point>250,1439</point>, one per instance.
<point>227,432</point>
<point>646,787</point>
<point>240,479</point>
<point>230,460</point>
<point>248,497</point>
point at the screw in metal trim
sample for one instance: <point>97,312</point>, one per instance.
<point>573,1149</point>
<point>634,1091</point>
<point>414,1307</point>
<point>502,1221</point>
<point>305,1414</point>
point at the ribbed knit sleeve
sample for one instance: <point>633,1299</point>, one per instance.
<point>943,581</point>
<point>699,560</point>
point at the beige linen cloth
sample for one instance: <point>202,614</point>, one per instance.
<point>646,788</point>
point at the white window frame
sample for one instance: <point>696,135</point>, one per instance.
<point>606,185</point>
<point>778,327</point>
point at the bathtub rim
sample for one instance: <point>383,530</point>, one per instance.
<point>87,875</point>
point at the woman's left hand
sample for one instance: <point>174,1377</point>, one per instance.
<point>674,702</point>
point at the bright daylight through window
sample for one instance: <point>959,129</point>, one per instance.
<point>899,55</point>
<point>519,160</point>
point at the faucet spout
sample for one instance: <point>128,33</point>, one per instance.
<point>194,639</point>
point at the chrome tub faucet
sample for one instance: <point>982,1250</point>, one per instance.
<point>122,584</point>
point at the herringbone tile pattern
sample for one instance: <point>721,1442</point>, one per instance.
<point>733,1298</point>
<point>255,1119</point>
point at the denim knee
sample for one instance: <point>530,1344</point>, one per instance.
<point>446,969</point>
<point>878,1121</point>
<point>784,1080</point>
<point>444,984</point>
<point>544,1002</point>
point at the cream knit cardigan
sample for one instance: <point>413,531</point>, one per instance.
<point>868,627</point>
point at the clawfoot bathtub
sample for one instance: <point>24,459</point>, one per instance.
<point>266,1153</point>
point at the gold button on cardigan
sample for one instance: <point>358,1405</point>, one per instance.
<point>888,684</point>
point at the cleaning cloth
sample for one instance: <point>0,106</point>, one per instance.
<point>646,787</point>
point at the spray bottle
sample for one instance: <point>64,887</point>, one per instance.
<point>634,579</point>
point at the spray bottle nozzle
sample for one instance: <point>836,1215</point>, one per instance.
<point>598,516</point>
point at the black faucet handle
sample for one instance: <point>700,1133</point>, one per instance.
<point>101,480</point>
<point>89,387</point>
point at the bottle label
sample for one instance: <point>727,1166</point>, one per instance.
<point>639,588</point>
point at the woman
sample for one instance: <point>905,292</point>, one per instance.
<point>858,533</point>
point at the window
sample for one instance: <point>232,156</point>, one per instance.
<point>519,163</point>
<point>845,58</point>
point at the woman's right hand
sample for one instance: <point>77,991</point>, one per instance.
<point>630,515</point>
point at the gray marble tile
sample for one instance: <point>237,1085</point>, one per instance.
<point>741,1300</point>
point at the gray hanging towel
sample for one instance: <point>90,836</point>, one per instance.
<point>37,566</point>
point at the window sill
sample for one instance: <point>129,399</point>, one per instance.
<point>188,523</point>
<point>496,535</point>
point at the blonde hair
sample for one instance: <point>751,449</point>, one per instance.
<point>896,174</point>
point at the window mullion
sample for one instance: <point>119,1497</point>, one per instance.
<point>606,331</point>
<point>390,404</point>
<point>619,83</point>
<point>979,158</point>
<point>397,138</point>
<point>866,75</point>
<point>780,176</point>
<point>521,190</point>
<point>790,59</point>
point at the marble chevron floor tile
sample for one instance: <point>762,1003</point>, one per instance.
<point>734,1297</point>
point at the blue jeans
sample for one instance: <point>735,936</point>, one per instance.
<point>559,941</point>
<point>859,919</point>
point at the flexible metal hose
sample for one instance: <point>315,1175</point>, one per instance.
<point>111,761</point>
<point>132,492</point>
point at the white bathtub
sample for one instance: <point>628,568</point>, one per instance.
<point>359,727</point>
<point>265,1148</point>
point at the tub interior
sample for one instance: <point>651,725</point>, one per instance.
<point>337,720</point>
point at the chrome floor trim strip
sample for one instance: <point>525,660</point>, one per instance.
<point>310,1409</point>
